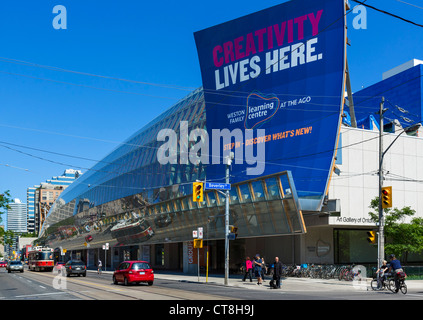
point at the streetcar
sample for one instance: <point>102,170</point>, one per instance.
<point>40,259</point>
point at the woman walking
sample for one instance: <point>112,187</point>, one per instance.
<point>248,269</point>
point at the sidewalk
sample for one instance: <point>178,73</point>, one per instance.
<point>289,283</point>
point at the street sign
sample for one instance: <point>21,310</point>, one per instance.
<point>194,233</point>
<point>200,233</point>
<point>218,186</point>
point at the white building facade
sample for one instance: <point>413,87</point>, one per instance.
<point>340,235</point>
<point>16,216</point>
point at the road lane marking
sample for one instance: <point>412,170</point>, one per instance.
<point>39,294</point>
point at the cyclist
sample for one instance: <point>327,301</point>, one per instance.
<point>395,267</point>
<point>382,274</point>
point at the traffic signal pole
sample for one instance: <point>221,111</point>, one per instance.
<point>381,237</point>
<point>228,163</point>
<point>228,160</point>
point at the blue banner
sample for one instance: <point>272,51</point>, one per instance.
<point>274,81</point>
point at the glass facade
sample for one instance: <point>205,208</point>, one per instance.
<point>130,198</point>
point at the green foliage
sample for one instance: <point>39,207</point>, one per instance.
<point>5,199</point>
<point>4,202</point>
<point>401,237</point>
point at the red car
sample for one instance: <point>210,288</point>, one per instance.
<point>59,266</point>
<point>3,264</point>
<point>134,271</point>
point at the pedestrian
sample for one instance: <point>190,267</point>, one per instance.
<point>263,269</point>
<point>248,269</point>
<point>99,265</point>
<point>257,268</point>
<point>277,273</point>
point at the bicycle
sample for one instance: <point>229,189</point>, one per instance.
<point>379,284</point>
<point>401,281</point>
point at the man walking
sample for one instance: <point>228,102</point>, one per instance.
<point>277,273</point>
<point>99,265</point>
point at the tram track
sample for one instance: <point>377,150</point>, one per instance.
<point>97,288</point>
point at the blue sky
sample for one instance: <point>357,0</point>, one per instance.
<point>150,42</point>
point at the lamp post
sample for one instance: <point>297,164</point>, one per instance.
<point>381,238</point>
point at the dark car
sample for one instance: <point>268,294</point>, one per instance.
<point>75,267</point>
<point>133,271</point>
<point>15,266</point>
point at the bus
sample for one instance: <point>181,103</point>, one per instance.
<point>40,258</point>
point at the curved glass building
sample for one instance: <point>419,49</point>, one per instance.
<point>144,209</point>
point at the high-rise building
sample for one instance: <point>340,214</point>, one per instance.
<point>16,216</point>
<point>41,197</point>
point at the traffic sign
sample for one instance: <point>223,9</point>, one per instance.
<point>218,186</point>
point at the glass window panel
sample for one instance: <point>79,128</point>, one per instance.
<point>272,186</point>
<point>192,204</point>
<point>233,195</point>
<point>258,190</point>
<point>212,199</point>
<point>251,220</point>
<point>278,215</point>
<point>222,199</point>
<point>177,205</point>
<point>216,222</point>
<point>245,193</point>
<point>264,218</point>
<point>184,203</point>
<point>290,209</point>
<point>285,186</point>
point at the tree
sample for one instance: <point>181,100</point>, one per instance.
<point>401,238</point>
<point>5,199</point>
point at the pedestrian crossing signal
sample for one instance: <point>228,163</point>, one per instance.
<point>197,192</point>
<point>371,237</point>
<point>233,232</point>
<point>198,243</point>
<point>386,197</point>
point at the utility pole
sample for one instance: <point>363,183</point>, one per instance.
<point>381,240</point>
<point>228,163</point>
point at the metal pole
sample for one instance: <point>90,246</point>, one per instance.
<point>227,225</point>
<point>381,242</point>
<point>207,267</point>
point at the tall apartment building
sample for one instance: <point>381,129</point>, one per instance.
<point>17,216</point>
<point>41,197</point>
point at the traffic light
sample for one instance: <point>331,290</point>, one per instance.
<point>233,232</point>
<point>197,192</point>
<point>387,197</point>
<point>371,237</point>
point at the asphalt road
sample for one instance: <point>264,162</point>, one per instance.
<point>32,285</point>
